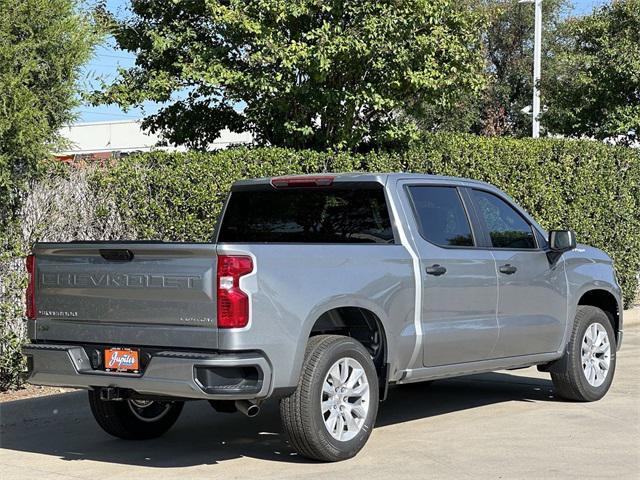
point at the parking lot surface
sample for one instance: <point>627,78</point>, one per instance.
<point>499,425</point>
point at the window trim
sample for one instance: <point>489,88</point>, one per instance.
<point>485,229</point>
<point>416,216</point>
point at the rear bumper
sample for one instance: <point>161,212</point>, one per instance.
<point>174,374</point>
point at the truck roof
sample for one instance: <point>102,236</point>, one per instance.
<point>367,177</point>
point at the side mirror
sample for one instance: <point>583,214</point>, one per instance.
<point>562,240</point>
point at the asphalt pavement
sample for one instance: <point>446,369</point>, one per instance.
<point>504,425</point>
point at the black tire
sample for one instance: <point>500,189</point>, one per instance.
<point>117,418</point>
<point>568,375</point>
<point>301,412</point>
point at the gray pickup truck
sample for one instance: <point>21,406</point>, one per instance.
<point>321,291</point>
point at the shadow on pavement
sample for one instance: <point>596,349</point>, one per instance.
<point>62,425</point>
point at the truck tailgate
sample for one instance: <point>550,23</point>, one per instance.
<point>105,292</point>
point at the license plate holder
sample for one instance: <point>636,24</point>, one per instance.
<point>122,360</point>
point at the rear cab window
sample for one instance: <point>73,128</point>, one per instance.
<point>345,212</point>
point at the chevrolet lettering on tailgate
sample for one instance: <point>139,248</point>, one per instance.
<point>119,280</point>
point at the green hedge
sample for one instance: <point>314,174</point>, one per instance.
<point>587,186</point>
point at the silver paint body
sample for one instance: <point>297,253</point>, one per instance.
<point>472,319</point>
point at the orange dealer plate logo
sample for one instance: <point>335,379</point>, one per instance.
<point>121,360</point>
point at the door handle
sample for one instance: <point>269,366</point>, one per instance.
<point>508,269</point>
<point>436,270</point>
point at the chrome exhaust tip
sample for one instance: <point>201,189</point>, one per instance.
<point>250,409</point>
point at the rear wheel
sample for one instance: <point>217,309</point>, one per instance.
<point>332,412</point>
<point>133,419</point>
<point>586,371</point>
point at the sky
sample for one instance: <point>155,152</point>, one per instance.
<point>107,59</point>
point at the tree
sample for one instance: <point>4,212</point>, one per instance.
<point>508,51</point>
<point>596,89</point>
<point>43,44</point>
<point>299,73</point>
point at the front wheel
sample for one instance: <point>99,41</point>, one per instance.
<point>330,415</point>
<point>133,419</point>
<point>586,371</point>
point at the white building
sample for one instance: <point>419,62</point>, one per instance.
<point>102,140</point>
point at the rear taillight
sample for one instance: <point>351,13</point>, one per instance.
<point>31,288</point>
<point>233,303</point>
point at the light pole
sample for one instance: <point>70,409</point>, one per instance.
<point>537,53</point>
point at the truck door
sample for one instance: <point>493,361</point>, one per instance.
<point>459,281</point>
<point>532,292</point>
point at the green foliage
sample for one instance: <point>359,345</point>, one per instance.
<point>509,49</point>
<point>590,83</point>
<point>595,90</point>
<point>507,44</point>
<point>589,187</point>
<point>43,44</point>
<point>332,74</point>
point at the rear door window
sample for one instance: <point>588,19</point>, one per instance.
<point>356,213</point>
<point>441,216</point>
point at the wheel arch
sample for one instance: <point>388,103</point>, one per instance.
<point>365,326</point>
<point>329,317</point>
<point>356,322</point>
<point>605,301</point>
